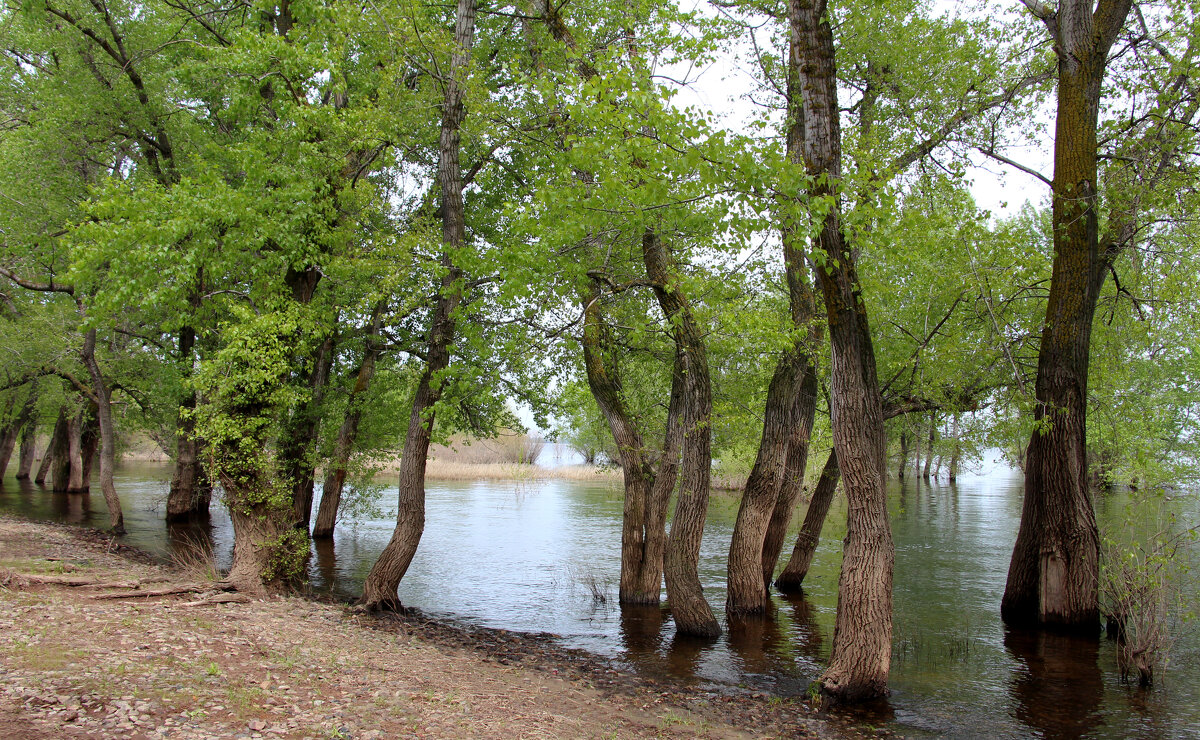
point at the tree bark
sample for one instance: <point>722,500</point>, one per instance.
<point>791,579</point>
<point>777,479</point>
<point>929,449</point>
<point>8,442</point>
<point>108,437</point>
<point>27,453</point>
<point>335,478</point>
<point>190,494</point>
<point>302,430</point>
<point>74,481</point>
<point>643,520</point>
<point>1054,574</point>
<point>689,608</point>
<point>747,594</point>
<point>957,451</point>
<point>89,442</point>
<point>55,453</point>
<point>862,641</point>
<point>380,587</point>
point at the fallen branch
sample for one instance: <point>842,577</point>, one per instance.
<point>151,593</point>
<point>71,581</point>
<point>225,598</point>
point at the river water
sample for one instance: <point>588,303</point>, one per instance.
<point>543,557</point>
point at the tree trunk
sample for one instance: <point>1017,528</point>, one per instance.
<point>8,442</point>
<point>747,594</point>
<point>380,587</point>
<point>903,454</point>
<point>786,448</point>
<point>190,494</point>
<point>792,578</point>
<point>689,608</point>
<point>89,442</point>
<point>74,453</point>
<point>335,477</point>
<point>55,454</point>
<point>1054,573</point>
<point>28,442</point>
<point>862,641</point>
<point>643,520</point>
<point>262,561</point>
<point>957,451</point>
<point>297,454</point>
<point>108,437</point>
<point>792,488</point>
<point>929,449</point>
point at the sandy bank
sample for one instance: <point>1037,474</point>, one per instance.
<point>76,664</point>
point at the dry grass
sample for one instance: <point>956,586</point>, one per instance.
<point>442,470</point>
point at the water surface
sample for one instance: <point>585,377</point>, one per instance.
<point>543,557</point>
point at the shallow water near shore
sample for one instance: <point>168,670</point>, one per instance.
<point>541,556</point>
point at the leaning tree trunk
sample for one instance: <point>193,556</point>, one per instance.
<point>689,608</point>
<point>792,487</point>
<point>335,477</point>
<point>56,451</point>
<point>108,437</point>
<point>777,479</point>
<point>8,442</point>
<point>643,519</point>
<point>862,641</point>
<point>792,578</point>
<point>380,587</point>
<point>1054,574</point>
<point>747,595</point>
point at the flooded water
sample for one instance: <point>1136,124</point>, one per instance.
<point>543,557</point>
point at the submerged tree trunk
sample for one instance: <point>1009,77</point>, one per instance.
<point>957,451</point>
<point>643,520</point>
<point>379,589</point>
<point>335,477</point>
<point>689,608</point>
<point>108,437</point>
<point>903,454</point>
<point>777,479</point>
<point>929,449</point>
<point>89,442</point>
<point>792,487</point>
<point>1054,574</point>
<point>791,579</point>
<point>862,641</point>
<point>747,593</point>
<point>56,452</point>
<point>297,454</point>
<point>27,451</point>
<point>74,453</point>
<point>190,494</point>
<point>8,442</point>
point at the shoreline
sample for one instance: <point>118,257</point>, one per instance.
<point>611,700</point>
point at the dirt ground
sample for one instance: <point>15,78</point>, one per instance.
<point>76,663</point>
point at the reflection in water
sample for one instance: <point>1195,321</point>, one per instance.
<point>806,637</point>
<point>326,559</point>
<point>1061,666</point>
